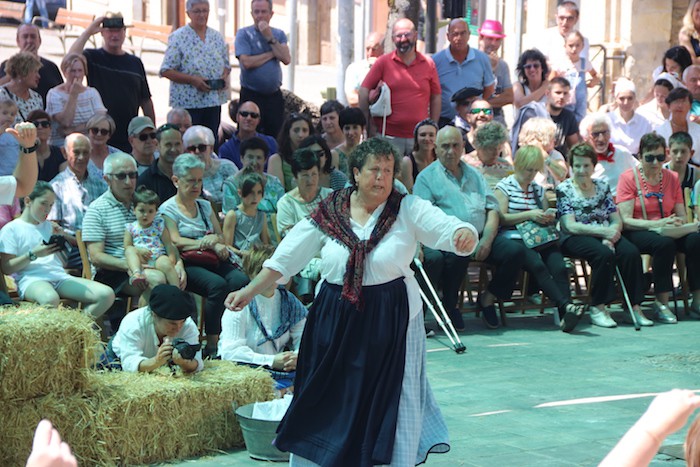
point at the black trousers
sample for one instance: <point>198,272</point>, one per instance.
<point>271,110</point>
<point>214,286</point>
<point>603,262</point>
<point>209,117</point>
<point>663,251</point>
<point>548,270</point>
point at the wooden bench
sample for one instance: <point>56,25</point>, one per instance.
<point>142,32</point>
<point>12,10</point>
<point>71,24</point>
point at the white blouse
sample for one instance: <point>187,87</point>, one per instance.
<point>417,221</point>
<point>240,333</point>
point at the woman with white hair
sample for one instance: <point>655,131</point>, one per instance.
<point>199,140</point>
<point>626,125</point>
<point>613,160</point>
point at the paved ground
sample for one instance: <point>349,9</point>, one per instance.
<point>490,395</point>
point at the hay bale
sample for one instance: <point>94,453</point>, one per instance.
<point>44,351</point>
<point>73,416</point>
<point>157,417</point>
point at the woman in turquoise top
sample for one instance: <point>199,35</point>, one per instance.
<point>295,129</point>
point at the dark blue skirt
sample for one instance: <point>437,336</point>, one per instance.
<point>348,382</point>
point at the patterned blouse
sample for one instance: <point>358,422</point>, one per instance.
<point>25,106</point>
<point>189,54</point>
<point>595,210</point>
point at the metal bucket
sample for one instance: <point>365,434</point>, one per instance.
<point>258,436</point>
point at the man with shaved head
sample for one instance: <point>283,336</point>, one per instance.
<point>461,191</point>
<point>414,85</point>
<point>460,66</point>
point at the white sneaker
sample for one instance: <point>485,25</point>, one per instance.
<point>602,318</point>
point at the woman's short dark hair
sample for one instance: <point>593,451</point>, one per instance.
<point>530,55</point>
<point>651,141</point>
<point>583,150</point>
<point>37,114</point>
<point>373,147</point>
<point>284,142</point>
<point>678,54</point>
<point>40,189</point>
<point>304,159</point>
<point>679,94</point>
<point>318,139</point>
<point>146,196</point>
<point>254,142</point>
<point>351,116</point>
<point>331,106</point>
<point>248,180</point>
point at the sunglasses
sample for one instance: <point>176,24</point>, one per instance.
<point>532,65</point>
<point>197,148</point>
<point>146,136</point>
<point>654,157</point>
<point>101,131</point>
<point>122,176</point>
<point>478,111</point>
<point>42,123</point>
<point>245,113</point>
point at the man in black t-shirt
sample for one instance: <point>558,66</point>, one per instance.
<point>567,128</point>
<point>119,76</point>
<point>29,40</point>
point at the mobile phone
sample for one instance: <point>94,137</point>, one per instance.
<point>216,84</point>
<point>59,240</point>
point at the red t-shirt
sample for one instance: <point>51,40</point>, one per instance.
<point>411,87</point>
<point>627,190</point>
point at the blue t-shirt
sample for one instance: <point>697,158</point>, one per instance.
<point>267,78</point>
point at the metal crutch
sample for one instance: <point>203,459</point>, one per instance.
<point>459,347</point>
<point>637,327</point>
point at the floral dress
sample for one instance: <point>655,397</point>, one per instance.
<point>149,238</point>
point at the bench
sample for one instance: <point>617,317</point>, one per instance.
<point>71,24</point>
<point>12,10</point>
<point>142,32</point>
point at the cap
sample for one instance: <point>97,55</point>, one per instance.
<point>114,20</point>
<point>670,78</point>
<point>623,84</point>
<point>169,302</point>
<point>492,28</point>
<point>138,124</point>
<point>465,93</point>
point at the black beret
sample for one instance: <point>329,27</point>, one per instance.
<point>169,302</point>
<point>466,93</point>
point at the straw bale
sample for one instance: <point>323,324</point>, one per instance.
<point>73,416</point>
<point>44,351</point>
<point>157,417</point>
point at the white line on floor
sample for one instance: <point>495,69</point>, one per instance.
<point>595,400</point>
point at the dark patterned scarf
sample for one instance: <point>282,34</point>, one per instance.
<point>332,217</point>
<point>291,312</point>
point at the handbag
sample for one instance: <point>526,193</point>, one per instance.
<point>382,107</point>
<point>535,235</point>
<point>204,258</point>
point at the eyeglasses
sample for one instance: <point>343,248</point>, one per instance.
<point>245,113</point>
<point>42,123</point>
<point>402,35</point>
<point>478,111</point>
<point>529,66</point>
<point>102,131</point>
<point>166,127</point>
<point>122,176</point>
<point>197,148</point>
<point>596,134</point>
<point>649,158</point>
<point>146,136</point>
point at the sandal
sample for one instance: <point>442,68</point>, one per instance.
<point>137,279</point>
<point>572,316</point>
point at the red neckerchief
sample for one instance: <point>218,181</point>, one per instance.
<point>608,156</point>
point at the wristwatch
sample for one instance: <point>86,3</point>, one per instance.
<point>32,256</point>
<point>272,41</point>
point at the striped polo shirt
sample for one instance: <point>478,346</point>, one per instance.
<point>105,221</point>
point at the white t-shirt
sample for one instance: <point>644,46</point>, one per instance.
<point>17,238</point>
<point>8,187</point>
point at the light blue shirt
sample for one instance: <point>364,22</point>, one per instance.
<point>468,198</point>
<point>9,153</point>
<point>474,72</point>
<point>267,78</point>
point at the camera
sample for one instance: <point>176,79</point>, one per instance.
<point>59,240</point>
<point>185,349</point>
<point>216,84</point>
